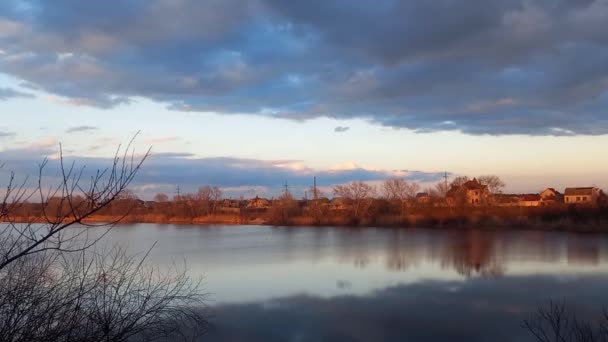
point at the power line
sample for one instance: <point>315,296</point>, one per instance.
<point>286,189</point>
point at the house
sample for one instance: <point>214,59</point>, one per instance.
<point>230,203</point>
<point>258,203</point>
<point>340,203</point>
<point>550,196</point>
<point>423,198</point>
<point>602,199</point>
<point>470,192</point>
<point>530,200</point>
<point>507,200</point>
<point>582,195</point>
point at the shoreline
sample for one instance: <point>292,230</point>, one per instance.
<point>411,222</point>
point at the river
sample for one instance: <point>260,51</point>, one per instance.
<point>344,284</point>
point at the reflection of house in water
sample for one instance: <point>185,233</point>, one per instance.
<point>472,252</point>
<point>583,249</point>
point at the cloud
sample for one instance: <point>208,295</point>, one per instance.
<point>341,129</point>
<point>77,129</point>
<point>4,134</point>
<point>485,67</point>
<point>8,93</point>
<point>161,140</point>
<point>238,176</point>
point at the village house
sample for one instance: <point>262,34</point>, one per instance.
<point>582,195</point>
<point>530,200</point>
<point>507,200</point>
<point>550,196</point>
<point>471,192</point>
<point>423,198</point>
<point>258,203</point>
<point>340,203</point>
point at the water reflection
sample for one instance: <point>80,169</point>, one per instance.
<point>481,309</point>
<point>345,284</point>
<point>251,263</point>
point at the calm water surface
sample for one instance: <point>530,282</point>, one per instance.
<point>343,284</point>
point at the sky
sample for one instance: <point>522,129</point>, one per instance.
<point>248,95</point>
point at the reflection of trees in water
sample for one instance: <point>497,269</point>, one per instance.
<point>473,252</point>
<point>582,250</point>
<point>468,252</point>
<point>404,251</point>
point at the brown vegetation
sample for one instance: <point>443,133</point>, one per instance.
<point>468,203</point>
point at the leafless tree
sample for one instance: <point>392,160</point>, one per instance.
<point>360,193</point>
<point>161,197</point>
<point>208,198</point>
<point>56,286</point>
<point>399,190</point>
<point>459,181</point>
<point>556,324</point>
<point>283,209</point>
<point>493,182</point>
<point>68,203</point>
<point>441,188</point>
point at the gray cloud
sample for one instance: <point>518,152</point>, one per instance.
<point>341,129</point>
<point>166,170</point>
<point>8,93</point>
<point>4,134</point>
<point>81,129</point>
<point>481,67</point>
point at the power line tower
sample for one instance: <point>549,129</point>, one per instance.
<point>179,194</point>
<point>285,189</point>
<point>314,187</point>
<point>445,179</point>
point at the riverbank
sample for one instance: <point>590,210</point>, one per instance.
<point>558,219</point>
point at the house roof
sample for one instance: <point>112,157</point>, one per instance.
<point>531,197</point>
<point>585,191</point>
<point>468,185</point>
<point>340,200</point>
<point>422,194</point>
<point>505,198</point>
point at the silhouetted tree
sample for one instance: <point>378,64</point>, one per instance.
<point>56,286</point>
<point>556,324</point>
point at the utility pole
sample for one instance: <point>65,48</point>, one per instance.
<point>286,190</point>
<point>179,195</point>
<point>314,187</point>
<point>445,178</point>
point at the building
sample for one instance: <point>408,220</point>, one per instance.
<point>470,192</point>
<point>530,200</point>
<point>583,195</point>
<point>423,198</point>
<point>507,200</point>
<point>340,203</point>
<point>258,203</point>
<point>550,196</point>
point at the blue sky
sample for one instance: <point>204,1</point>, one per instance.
<point>248,95</point>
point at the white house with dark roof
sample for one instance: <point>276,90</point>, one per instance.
<point>582,195</point>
